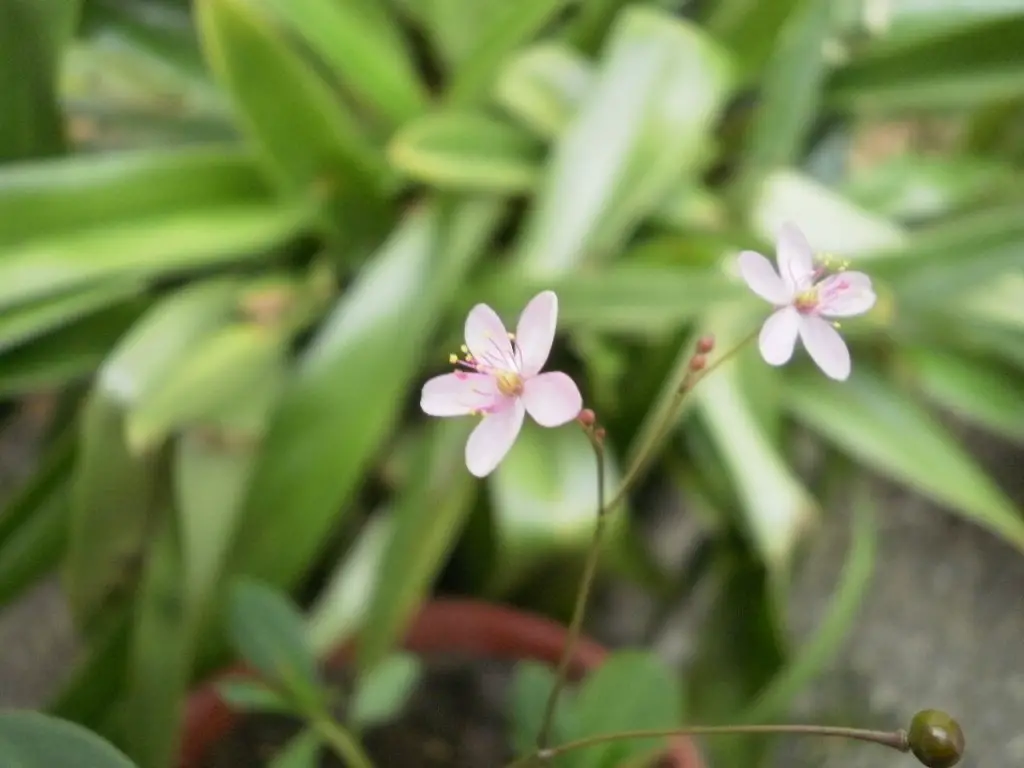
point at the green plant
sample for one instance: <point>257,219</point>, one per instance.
<point>233,238</point>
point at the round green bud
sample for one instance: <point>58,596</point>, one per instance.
<point>936,739</point>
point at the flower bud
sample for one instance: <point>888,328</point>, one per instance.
<point>698,363</point>
<point>936,739</point>
<point>587,417</point>
<point>705,344</point>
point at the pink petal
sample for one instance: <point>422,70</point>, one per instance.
<point>493,437</point>
<point>826,347</point>
<point>795,257</point>
<point>846,294</point>
<point>536,332</point>
<point>778,336</point>
<point>552,399</point>
<point>458,394</point>
<point>488,340</point>
<point>762,278</point>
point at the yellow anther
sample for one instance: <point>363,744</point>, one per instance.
<point>465,349</point>
<point>453,359</point>
<point>512,336</point>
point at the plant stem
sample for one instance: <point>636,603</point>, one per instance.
<point>653,442</point>
<point>343,743</point>
<point>893,739</point>
<point>582,594</point>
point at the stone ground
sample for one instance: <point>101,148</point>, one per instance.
<point>943,626</point>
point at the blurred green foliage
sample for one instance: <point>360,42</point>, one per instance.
<point>235,236</point>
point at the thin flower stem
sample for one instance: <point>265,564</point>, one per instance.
<point>897,740</point>
<point>652,443</point>
<point>582,594</point>
<point>343,743</point>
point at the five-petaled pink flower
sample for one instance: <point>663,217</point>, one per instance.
<point>499,378</point>
<point>808,291</point>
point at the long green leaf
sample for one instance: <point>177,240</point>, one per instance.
<point>778,510</point>
<point>507,29</point>
<point>49,198</point>
<point>814,656</point>
<point>973,389</point>
<point>790,91</point>
<point>641,131</point>
<point>30,121</point>
<point>145,249</point>
<point>112,499</point>
<point>348,390</point>
<point>161,652</point>
<point>467,151</point>
<point>889,432</point>
<point>35,740</point>
<point>311,144</point>
<point>364,49</point>
<point>22,324</point>
<point>427,520</point>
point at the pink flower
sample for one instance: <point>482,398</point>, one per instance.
<point>808,291</point>
<point>499,379</point>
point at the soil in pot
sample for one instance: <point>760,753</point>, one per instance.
<point>456,718</point>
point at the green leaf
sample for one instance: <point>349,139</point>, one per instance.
<point>35,740</point>
<point>642,130</point>
<point>507,28</point>
<point>268,631</point>
<point>384,690</point>
<point>225,367</point>
<point>365,51</point>
<point>818,652</point>
<point>958,254</point>
<point>213,466</point>
<point>112,507</point>
<point>50,198</point>
<point>739,651</point>
<point>245,695</point>
<point>66,354</point>
<point>778,510</point>
<point>144,249</point>
<point>162,647</point>
<point>631,690</point>
<point>311,144</point>
<point>30,121</point>
<point>24,323</point>
<point>628,298</point>
<point>344,603</point>
<point>544,87</point>
<point>967,66</point>
<point>428,519</point>
<point>531,685</point>
<point>790,90</point>
<point>349,386</point>
<point>467,151</point>
<point>972,389</point>
<point>303,751</point>
<point>544,500</point>
<point>831,222</point>
<point>915,186</point>
<point>33,524</point>
<point>886,430</point>
<point>750,29</point>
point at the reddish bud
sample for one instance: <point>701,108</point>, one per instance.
<point>587,417</point>
<point>599,434</point>
<point>705,344</point>
<point>698,363</point>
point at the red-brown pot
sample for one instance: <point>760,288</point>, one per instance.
<point>469,627</point>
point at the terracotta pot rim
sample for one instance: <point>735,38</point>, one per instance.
<point>453,625</point>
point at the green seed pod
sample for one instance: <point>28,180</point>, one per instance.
<point>936,739</point>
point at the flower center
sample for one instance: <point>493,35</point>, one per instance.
<point>509,384</point>
<point>807,301</point>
